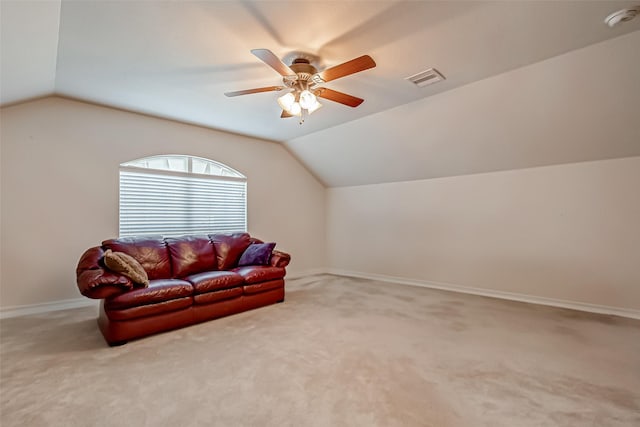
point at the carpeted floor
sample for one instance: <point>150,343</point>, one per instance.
<point>338,352</point>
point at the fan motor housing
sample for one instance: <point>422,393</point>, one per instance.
<point>304,70</point>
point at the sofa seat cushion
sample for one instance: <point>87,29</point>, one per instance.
<point>258,273</point>
<point>150,309</point>
<point>158,291</point>
<point>215,296</point>
<point>210,281</point>
<point>264,286</point>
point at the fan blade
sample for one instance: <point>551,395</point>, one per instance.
<point>342,98</point>
<point>350,67</point>
<point>269,58</point>
<point>257,90</point>
<point>285,115</point>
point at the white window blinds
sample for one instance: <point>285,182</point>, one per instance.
<point>168,203</point>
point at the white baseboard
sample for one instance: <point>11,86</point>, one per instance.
<point>574,305</point>
<point>24,310</point>
<point>305,273</point>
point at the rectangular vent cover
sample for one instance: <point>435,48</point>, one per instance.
<point>426,77</point>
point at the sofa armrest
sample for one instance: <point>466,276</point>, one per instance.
<point>280,259</point>
<point>100,284</point>
<point>96,282</point>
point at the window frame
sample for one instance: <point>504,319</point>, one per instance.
<point>232,176</point>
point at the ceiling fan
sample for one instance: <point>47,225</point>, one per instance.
<point>303,78</point>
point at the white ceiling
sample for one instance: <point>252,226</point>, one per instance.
<point>580,106</point>
<point>176,59</point>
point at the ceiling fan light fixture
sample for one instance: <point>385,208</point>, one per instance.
<point>302,75</point>
<point>295,109</point>
<point>314,107</point>
<point>307,99</point>
<point>286,101</point>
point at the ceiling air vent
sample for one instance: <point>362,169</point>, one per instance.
<point>426,77</point>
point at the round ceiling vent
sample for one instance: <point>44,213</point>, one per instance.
<point>623,15</point>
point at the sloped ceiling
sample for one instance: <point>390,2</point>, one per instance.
<point>580,106</point>
<point>176,59</point>
<point>28,49</point>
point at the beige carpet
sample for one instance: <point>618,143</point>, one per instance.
<point>338,352</point>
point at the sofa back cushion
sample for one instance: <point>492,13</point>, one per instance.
<point>150,251</point>
<point>229,248</point>
<point>191,255</point>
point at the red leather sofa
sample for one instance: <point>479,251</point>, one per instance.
<point>191,279</point>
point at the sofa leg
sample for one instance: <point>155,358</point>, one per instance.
<point>282,300</point>
<point>117,343</point>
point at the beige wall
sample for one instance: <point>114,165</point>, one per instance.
<point>564,232</point>
<point>59,177</point>
<point>568,232</point>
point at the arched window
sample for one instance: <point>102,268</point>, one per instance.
<point>175,195</point>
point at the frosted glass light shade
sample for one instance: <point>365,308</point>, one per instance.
<point>314,107</point>
<point>295,109</point>
<point>286,101</point>
<point>307,99</point>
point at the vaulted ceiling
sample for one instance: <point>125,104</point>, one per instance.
<point>176,59</point>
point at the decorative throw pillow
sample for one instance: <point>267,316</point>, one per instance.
<point>257,254</point>
<point>127,266</point>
